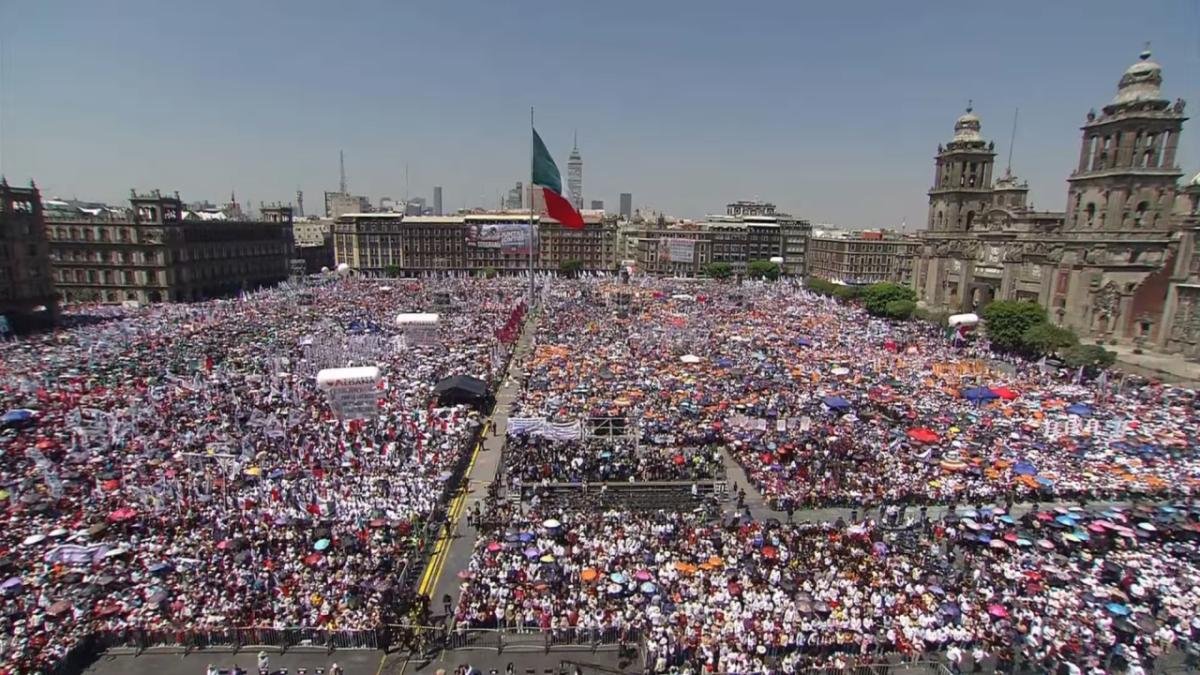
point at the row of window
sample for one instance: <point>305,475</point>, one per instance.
<point>111,277</point>
<point>1102,151</point>
<point>101,233</point>
<point>110,256</point>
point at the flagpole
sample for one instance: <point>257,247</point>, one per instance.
<point>531,226</point>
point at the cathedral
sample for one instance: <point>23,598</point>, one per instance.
<point>1119,264</point>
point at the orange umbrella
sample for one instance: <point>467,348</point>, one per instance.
<point>589,575</point>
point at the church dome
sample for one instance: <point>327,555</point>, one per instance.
<point>1141,81</point>
<point>967,127</point>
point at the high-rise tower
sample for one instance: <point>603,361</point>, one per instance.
<point>1126,177</point>
<point>963,179</point>
<point>575,175</point>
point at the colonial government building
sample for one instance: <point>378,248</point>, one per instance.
<point>1121,263</point>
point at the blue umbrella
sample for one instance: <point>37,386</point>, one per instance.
<point>160,568</point>
<point>1066,520</point>
<point>649,588</point>
<point>803,342</point>
<point>18,416</point>
<point>525,537</point>
<point>1081,409</point>
<point>617,578</point>
<point>1045,482</point>
<point>836,402</point>
<point>1082,535</point>
<point>978,394</point>
<point>321,545</point>
<point>1007,520</point>
<point>1024,469</point>
<point>1117,608</point>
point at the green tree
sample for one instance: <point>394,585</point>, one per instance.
<point>1089,356</point>
<point>932,316</point>
<point>488,273</point>
<point>763,269</point>
<point>877,297</point>
<point>847,293</point>
<point>718,270</point>
<point>1007,320</point>
<point>899,309</point>
<point>820,286</point>
<point>1045,338</point>
<point>570,268</point>
<point>392,270</point>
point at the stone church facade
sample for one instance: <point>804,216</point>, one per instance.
<point>1120,263</point>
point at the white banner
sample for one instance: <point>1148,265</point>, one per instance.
<point>353,392</point>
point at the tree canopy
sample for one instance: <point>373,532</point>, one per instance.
<point>1007,320</point>
<point>877,297</point>
<point>1089,356</point>
<point>1045,338</point>
<point>718,270</point>
<point>763,269</point>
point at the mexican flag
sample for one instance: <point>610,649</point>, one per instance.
<point>549,181</point>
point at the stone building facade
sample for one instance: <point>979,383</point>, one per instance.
<point>27,297</point>
<point>160,255</point>
<point>868,258</point>
<point>377,243</point>
<point>1106,267</point>
<point>736,240</point>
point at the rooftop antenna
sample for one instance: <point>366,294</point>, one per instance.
<point>342,171</point>
<point>1011,142</point>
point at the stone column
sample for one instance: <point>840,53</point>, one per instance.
<point>1168,159</point>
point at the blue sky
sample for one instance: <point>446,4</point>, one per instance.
<point>831,110</point>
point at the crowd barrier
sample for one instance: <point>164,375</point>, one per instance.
<point>539,639</point>
<point>637,495</point>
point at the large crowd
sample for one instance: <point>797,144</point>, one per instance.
<point>823,405</point>
<point>533,460</point>
<point>1098,591</point>
<point>176,468</point>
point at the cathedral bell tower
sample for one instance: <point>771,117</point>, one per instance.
<point>962,182</point>
<point>1126,177</point>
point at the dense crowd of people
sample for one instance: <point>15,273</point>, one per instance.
<point>176,468</point>
<point>533,460</point>
<point>1100,591</point>
<point>825,405</point>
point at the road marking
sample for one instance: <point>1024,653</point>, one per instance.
<point>437,562</point>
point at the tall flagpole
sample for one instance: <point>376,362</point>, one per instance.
<point>531,225</point>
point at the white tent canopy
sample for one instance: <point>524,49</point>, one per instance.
<point>420,319</point>
<point>963,319</point>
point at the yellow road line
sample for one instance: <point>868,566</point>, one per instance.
<point>437,562</point>
<point>382,659</point>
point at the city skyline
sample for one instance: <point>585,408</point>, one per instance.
<point>694,130</point>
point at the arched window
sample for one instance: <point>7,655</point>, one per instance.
<point>1091,214</point>
<point>1140,212</point>
<point>940,220</point>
